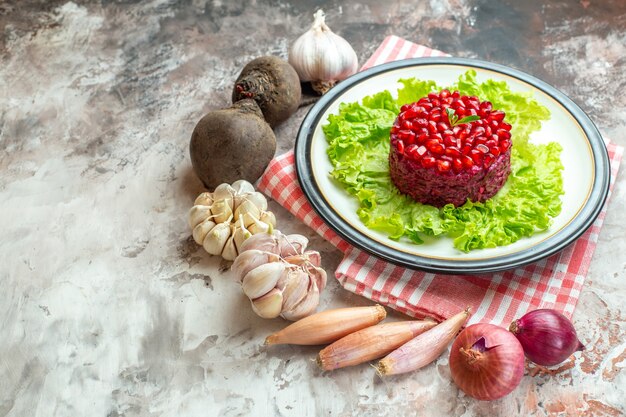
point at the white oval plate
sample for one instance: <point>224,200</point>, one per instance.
<point>584,157</point>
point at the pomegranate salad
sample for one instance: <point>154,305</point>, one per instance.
<point>415,173</point>
<point>447,148</point>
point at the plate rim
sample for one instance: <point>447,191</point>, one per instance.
<point>553,244</point>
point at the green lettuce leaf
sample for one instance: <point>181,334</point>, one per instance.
<point>358,147</point>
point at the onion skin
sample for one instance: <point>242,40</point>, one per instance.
<point>547,336</point>
<point>486,361</point>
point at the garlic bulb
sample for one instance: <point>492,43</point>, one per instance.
<point>322,57</point>
<point>279,275</point>
<point>222,220</point>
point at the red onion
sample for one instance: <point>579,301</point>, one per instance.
<point>486,361</point>
<point>547,336</point>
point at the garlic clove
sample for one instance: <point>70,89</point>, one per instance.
<point>240,234</point>
<point>292,244</point>
<point>221,210</point>
<point>230,251</point>
<point>294,287</point>
<point>198,214</point>
<point>263,241</point>
<point>258,227</point>
<point>305,307</point>
<point>269,305</point>
<point>249,260</point>
<point>204,199</point>
<point>262,279</point>
<point>248,211</point>
<point>268,217</point>
<point>224,192</point>
<point>321,56</point>
<point>257,199</point>
<point>215,240</point>
<point>242,187</point>
<point>308,257</point>
<point>201,230</point>
<point>319,275</point>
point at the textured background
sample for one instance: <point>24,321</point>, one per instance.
<point>109,308</point>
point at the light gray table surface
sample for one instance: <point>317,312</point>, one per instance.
<point>108,307</point>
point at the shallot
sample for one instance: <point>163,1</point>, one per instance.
<point>370,343</point>
<point>424,348</point>
<point>327,326</point>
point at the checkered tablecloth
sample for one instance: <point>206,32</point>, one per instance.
<point>554,282</point>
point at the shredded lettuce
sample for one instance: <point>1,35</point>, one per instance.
<point>358,148</point>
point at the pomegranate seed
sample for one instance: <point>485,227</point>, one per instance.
<point>435,116</point>
<point>421,122</point>
<point>449,140</point>
<point>428,161</point>
<point>456,94</point>
<point>497,115</point>
<point>488,131</point>
<point>457,164</point>
<point>433,96</point>
<point>486,106</point>
<point>411,150</point>
<point>427,105</point>
<point>491,143</point>
<point>400,146</point>
<point>503,134</point>
<point>472,112</point>
<point>453,152</point>
<point>477,156</point>
<point>482,148</point>
<point>466,149</point>
<point>506,126</point>
<point>394,129</point>
<point>456,130</point>
<point>405,107</point>
<point>441,126</point>
<point>432,127</point>
<point>495,151</point>
<point>435,147</point>
<point>421,150</point>
<point>480,140</point>
<point>467,161</point>
<point>460,112</point>
<point>443,166</point>
<point>449,132</point>
<point>422,138</point>
<point>489,158</point>
<point>444,93</point>
<point>436,102</point>
<point>407,135</point>
<point>408,114</point>
<point>505,145</point>
<point>478,130</point>
<point>407,124</point>
<point>494,124</point>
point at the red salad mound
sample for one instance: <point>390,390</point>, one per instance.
<point>447,148</point>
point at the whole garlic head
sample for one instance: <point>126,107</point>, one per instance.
<point>322,57</point>
<point>221,221</point>
<point>279,275</point>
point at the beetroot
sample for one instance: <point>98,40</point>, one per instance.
<point>232,144</point>
<point>273,84</point>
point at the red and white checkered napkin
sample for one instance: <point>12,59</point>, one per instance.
<point>554,282</point>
